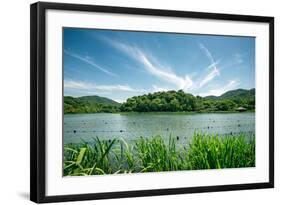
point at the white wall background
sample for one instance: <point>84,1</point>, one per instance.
<point>14,101</point>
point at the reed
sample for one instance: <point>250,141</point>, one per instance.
<point>214,152</point>
<point>154,155</point>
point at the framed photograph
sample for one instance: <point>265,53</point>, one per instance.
<point>129,102</point>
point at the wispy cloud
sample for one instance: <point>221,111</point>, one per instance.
<point>154,68</point>
<point>88,60</point>
<point>217,92</point>
<point>208,53</point>
<point>168,76</point>
<point>165,73</point>
<point>156,88</point>
<point>214,72</point>
<point>71,84</point>
<point>80,85</point>
<point>119,100</point>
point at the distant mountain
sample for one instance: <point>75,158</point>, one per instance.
<point>89,104</point>
<point>98,100</point>
<point>211,97</point>
<point>239,93</point>
<point>234,95</point>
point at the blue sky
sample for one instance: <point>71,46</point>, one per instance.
<point>122,64</point>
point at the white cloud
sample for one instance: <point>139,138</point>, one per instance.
<point>217,92</point>
<point>156,88</point>
<point>71,84</point>
<point>162,72</point>
<point>89,61</point>
<point>207,52</point>
<point>214,72</point>
<point>119,100</point>
<point>80,85</point>
<point>165,73</point>
<point>168,76</point>
<point>114,88</point>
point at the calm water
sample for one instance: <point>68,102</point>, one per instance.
<point>130,126</point>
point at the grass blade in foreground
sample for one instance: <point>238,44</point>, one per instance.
<point>154,155</point>
<point>213,152</point>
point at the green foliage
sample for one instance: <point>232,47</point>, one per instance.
<point>240,97</point>
<point>170,101</point>
<point>82,159</point>
<point>173,101</point>
<point>89,104</point>
<point>154,155</point>
<point>213,152</point>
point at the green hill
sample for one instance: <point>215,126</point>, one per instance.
<point>239,94</point>
<point>242,97</point>
<point>234,94</point>
<point>89,104</point>
<point>170,101</point>
<point>177,101</point>
<point>98,100</point>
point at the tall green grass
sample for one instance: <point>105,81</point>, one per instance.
<point>213,152</point>
<point>154,155</point>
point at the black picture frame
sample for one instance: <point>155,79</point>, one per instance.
<point>38,101</point>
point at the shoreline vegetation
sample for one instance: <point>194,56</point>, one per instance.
<point>116,156</point>
<point>239,100</point>
<point>166,112</point>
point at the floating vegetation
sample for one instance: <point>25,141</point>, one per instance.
<point>205,151</point>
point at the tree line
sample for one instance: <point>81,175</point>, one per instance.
<point>80,105</point>
<point>177,101</point>
<point>170,101</point>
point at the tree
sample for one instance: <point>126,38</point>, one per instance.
<point>164,101</point>
<point>174,105</point>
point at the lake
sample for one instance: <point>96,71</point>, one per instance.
<point>133,125</point>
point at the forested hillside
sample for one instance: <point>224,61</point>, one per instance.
<point>170,101</point>
<point>180,101</point>
<point>89,104</point>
